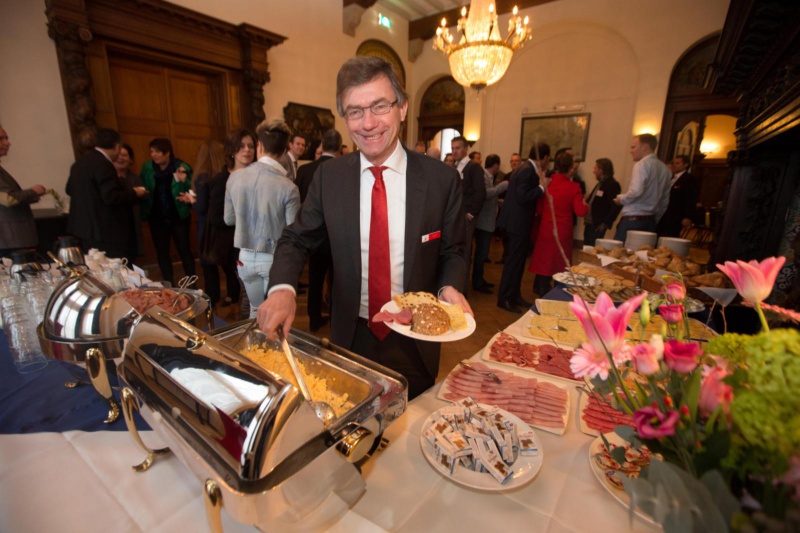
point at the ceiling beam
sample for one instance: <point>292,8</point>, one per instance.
<point>425,28</point>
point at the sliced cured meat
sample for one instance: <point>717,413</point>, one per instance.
<point>599,415</point>
<point>403,317</point>
<point>545,358</point>
<point>535,402</point>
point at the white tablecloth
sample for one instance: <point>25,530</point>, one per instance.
<point>79,481</point>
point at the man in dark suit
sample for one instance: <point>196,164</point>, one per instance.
<point>320,261</point>
<point>683,193</point>
<point>473,188</point>
<point>602,209</point>
<point>97,196</point>
<point>516,217</point>
<point>395,223</point>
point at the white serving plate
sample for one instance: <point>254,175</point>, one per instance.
<point>525,468</point>
<point>444,389</point>
<point>620,495</point>
<point>446,337</point>
<point>583,281</point>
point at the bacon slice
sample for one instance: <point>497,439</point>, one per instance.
<point>403,317</point>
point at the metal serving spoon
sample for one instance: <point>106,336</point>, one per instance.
<point>323,411</point>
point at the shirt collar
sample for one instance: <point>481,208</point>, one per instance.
<point>393,162</point>
<point>104,154</point>
<point>462,163</point>
<point>267,160</point>
<point>679,174</point>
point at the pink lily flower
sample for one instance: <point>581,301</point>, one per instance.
<point>672,313</point>
<point>653,424</point>
<point>753,280</point>
<point>713,391</point>
<point>611,322</point>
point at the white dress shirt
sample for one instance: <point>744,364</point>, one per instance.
<point>648,192</point>
<point>676,177</point>
<point>394,179</point>
<point>460,166</point>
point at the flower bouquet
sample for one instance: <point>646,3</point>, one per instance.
<point>722,418</point>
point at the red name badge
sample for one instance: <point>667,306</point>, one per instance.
<point>432,236</point>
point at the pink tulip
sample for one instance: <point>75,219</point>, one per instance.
<point>588,360</point>
<point>753,280</point>
<point>672,313</point>
<point>611,322</point>
<point>646,357</point>
<point>653,424</point>
<point>682,357</point>
<point>675,291</point>
<point>713,391</point>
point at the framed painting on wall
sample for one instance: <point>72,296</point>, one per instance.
<point>309,122</point>
<point>558,131</point>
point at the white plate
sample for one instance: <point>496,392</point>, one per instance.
<point>447,337</point>
<point>526,369</point>
<point>445,388</point>
<point>525,467</point>
<point>620,495</point>
<point>583,281</point>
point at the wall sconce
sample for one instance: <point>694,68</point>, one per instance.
<point>707,148</point>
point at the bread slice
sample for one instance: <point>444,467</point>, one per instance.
<point>408,299</point>
<point>429,319</point>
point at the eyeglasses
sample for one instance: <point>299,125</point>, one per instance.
<point>381,108</point>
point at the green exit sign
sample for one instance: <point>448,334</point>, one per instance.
<point>384,21</point>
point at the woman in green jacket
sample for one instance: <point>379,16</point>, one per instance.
<point>166,177</point>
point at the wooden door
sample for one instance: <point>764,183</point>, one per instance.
<point>159,100</point>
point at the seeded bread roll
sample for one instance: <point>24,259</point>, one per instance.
<point>429,319</point>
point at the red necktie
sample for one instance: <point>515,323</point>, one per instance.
<point>380,272</point>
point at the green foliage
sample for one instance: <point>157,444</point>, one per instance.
<point>731,346</point>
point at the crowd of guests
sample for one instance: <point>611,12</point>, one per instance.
<point>245,192</point>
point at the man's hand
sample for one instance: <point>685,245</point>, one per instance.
<point>452,296</point>
<point>187,197</point>
<point>140,191</point>
<point>279,308</point>
<point>546,181</point>
<point>469,217</point>
<point>38,189</point>
<point>687,223</point>
<point>618,200</point>
<point>601,229</point>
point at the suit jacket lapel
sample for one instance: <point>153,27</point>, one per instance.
<point>416,187</point>
<point>350,214</point>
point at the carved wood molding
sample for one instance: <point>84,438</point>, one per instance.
<point>153,25</point>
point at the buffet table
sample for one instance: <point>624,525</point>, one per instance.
<point>80,479</point>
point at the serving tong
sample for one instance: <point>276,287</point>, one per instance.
<point>490,375</point>
<point>183,284</point>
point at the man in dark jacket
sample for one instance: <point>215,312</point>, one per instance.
<point>524,190</point>
<point>97,195</point>
<point>683,193</point>
<point>320,261</point>
<point>602,209</point>
<point>474,194</point>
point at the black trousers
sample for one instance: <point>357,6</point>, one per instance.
<point>178,231</point>
<point>212,285</point>
<point>483,241</point>
<point>518,246</point>
<point>398,352</point>
<point>318,265</point>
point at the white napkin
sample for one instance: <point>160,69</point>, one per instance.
<point>227,393</point>
<point>722,296</point>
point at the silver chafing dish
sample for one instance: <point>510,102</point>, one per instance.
<point>87,322</point>
<point>266,457</point>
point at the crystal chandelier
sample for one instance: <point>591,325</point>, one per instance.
<point>481,56</point>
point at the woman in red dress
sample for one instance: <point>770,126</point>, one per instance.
<point>546,259</point>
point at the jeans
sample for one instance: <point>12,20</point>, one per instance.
<point>625,226</point>
<point>483,240</point>
<point>254,271</point>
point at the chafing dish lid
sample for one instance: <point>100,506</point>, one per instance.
<point>255,443</point>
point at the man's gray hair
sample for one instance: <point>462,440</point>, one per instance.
<point>363,69</point>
